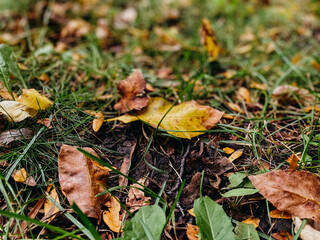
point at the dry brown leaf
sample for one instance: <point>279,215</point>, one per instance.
<point>293,161</point>
<point>279,214</point>
<point>254,221</point>
<point>296,192</point>
<point>46,122</point>
<point>242,49</point>
<point>282,236</point>
<point>235,107</point>
<point>208,40</point>
<point>235,155</point>
<point>112,217</point>
<point>11,135</point>
<point>260,86</point>
<point>136,198</point>
<point>244,94</point>
<point>6,95</point>
<point>23,67</point>
<point>16,111</point>
<point>309,232</point>
<point>132,91</point>
<point>287,94</point>
<point>228,150</point>
<point>192,232</point>
<point>23,177</point>
<point>191,192</point>
<point>186,120</point>
<point>81,179</point>
<point>98,121</point>
<point>50,208</point>
<point>76,28</point>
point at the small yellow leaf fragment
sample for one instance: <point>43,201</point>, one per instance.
<point>293,161</point>
<point>32,99</point>
<point>192,232</point>
<point>235,107</point>
<point>236,155</point>
<point>254,221</point>
<point>260,86</point>
<point>208,40</point>
<point>244,94</point>
<point>98,121</point>
<point>190,211</point>
<point>229,74</point>
<point>50,208</point>
<point>279,214</point>
<point>316,65</point>
<point>228,150</point>
<point>44,77</point>
<point>112,217</point>
<point>20,175</point>
<point>22,67</point>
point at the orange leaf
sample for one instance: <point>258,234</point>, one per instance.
<point>254,221</point>
<point>190,211</point>
<point>208,40</point>
<point>279,214</point>
<point>112,217</point>
<point>244,94</point>
<point>50,208</point>
<point>284,235</point>
<point>293,161</point>
<point>228,150</point>
<point>98,121</point>
<point>236,155</point>
<point>192,232</point>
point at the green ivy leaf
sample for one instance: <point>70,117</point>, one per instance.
<point>213,222</point>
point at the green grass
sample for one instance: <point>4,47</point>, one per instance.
<point>72,85</point>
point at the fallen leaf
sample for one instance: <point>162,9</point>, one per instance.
<point>136,198</point>
<point>208,40</point>
<point>279,214</point>
<point>123,19</point>
<point>229,74</point>
<point>254,221</point>
<point>235,107</point>
<point>260,86</point>
<point>316,65</point>
<point>244,94</point>
<point>16,111</point>
<point>45,121</point>
<point>296,192</point>
<point>23,67</point>
<point>112,217</point>
<point>6,95</point>
<point>228,150</point>
<point>184,120</point>
<point>50,208</point>
<point>23,177</point>
<point>244,49</point>
<point>308,231</point>
<point>132,91</point>
<point>44,77</point>
<point>312,108</point>
<point>98,121</point>
<point>32,99</point>
<point>284,235</point>
<point>296,58</point>
<point>190,211</point>
<point>287,94</point>
<point>11,135</point>
<point>235,155</point>
<point>75,28</point>
<point>192,232</point>
<point>293,161</point>
<point>81,179</point>
<point>191,192</point>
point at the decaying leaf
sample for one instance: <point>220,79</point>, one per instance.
<point>235,155</point>
<point>112,217</point>
<point>81,179</point>
<point>50,208</point>
<point>309,232</point>
<point>235,107</point>
<point>293,161</point>
<point>136,198</point>
<point>296,192</point>
<point>208,40</point>
<point>254,221</point>
<point>98,121</point>
<point>22,176</point>
<point>192,232</point>
<point>244,94</point>
<point>184,120</point>
<point>6,95</point>
<point>76,28</point>
<point>256,85</point>
<point>132,91</point>
<point>11,135</point>
<point>289,94</point>
<point>16,111</point>
<point>284,235</point>
<point>46,122</point>
<point>228,150</point>
<point>279,214</point>
<point>191,192</point>
<point>32,99</point>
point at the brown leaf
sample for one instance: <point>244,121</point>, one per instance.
<point>11,135</point>
<point>287,94</point>
<point>293,161</point>
<point>132,91</point>
<point>279,214</point>
<point>208,40</point>
<point>284,235</point>
<point>244,94</point>
<point>308,232</point>
<point>191,191</point>
<point>192,232</point>
<point>136,197</point>
<point>80,180</point>
<point>296,192</point>
<point>50,208</point>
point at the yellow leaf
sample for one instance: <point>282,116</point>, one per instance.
<point>228,150</point>
<point>235,107</point>
<point>279,214</point>
<point>185,120</point>
<point>16,111</point>
<point>190,211</point>
<point>312,108</point>
<point>208,40</point>
<point>296,58</point>
<point>254,221</point>
<point>244,94</point>
<point>236,155</point>
<point>112,217</point>
<point>316,65</point>
<point>20,175</point>
<point>98,121</point>
<point>33,99</point>
<point>256,85</point>
<point>50,208</point>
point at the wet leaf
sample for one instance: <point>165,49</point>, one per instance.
<point>308,232</point>
<point>16,111</point>
<point>212,221</point>
<point>98,121</point>
<point>32,99</point>
<point>296,192</point>
<point>50,208</point>
<point>23,177</point>
<point>279,214</point>
<point>192,232</point>
<point>112,217</point>
<point>11,135</point>
<point>189,117</point>
<point>81,179</point>
<point>148,223</point>
<point>246,231</point>
<point>132,91</point>
<point>208,40</point>
<point>254,221</point>
<point>236,155</point>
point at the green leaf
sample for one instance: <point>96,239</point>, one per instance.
<point>213,222</point>
<point>146,224</point>
<point>240,192</point>
<point>246,232</point>
<point>236,179</point>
